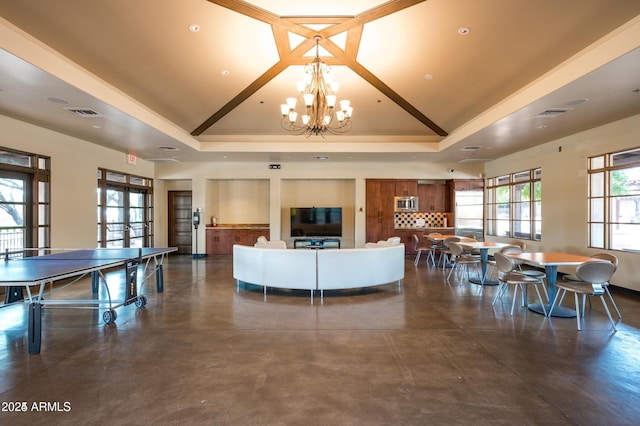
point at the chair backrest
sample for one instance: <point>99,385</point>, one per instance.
<point>262,240</point>
<point>520,244</point>
<point>511,249</point>
<point>595,272</point>
<point>433,234</point>
<point>446,241</point>
<point>503,262</point>
<point>456,249</point>
<point>416,241</point>
<point>608,257</point>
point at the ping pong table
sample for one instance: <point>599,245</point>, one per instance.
<point>37,271</point>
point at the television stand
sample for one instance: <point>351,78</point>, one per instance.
<point>316,243</point>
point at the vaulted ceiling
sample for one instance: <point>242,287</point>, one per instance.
<point>430,80</point>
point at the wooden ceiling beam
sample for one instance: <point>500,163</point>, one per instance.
<point>380,85</point>
<point>255,85</point>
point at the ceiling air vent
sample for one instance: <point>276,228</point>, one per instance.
<point>163,160</point>
<point>475,160</point>
<point>470,148</point>
<point>552,112</point>
<point>84,112</point>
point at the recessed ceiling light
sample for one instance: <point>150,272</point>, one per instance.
<point>194,28</point>
<point>95,126</point>
<point>464,30</point>
<point>428,76</point>
<point>225,72</point>
<point>322,157</point>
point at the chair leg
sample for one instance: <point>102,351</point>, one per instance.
<point>575,295</point>
<point>606,288</point>
<point>515,296</point>
<point>557,301</point>
<point>415,262</point>
<point>498,292</point>
<point>608,313</point>
<point>540,299</point>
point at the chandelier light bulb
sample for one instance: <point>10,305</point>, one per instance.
<point>319,94</point>
<point>308,99</point>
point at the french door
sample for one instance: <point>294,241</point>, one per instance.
<point>124,216</point>
<point>15,211</point>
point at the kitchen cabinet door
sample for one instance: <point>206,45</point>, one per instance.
<point>406,188</point>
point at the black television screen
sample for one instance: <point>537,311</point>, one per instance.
<point>316,221</point>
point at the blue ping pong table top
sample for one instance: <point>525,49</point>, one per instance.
<point>36,269</point>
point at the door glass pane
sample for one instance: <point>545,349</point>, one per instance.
<point>12,213</point>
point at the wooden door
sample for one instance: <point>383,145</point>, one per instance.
<point>379,214</point>
<point>180,226</point>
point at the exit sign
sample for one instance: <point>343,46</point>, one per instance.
<point>131,159</point>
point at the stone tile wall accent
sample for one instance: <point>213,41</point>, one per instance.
<point>408,220</point>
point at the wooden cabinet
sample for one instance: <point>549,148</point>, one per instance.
<point>407,188</point>
<point>433,197</point>
<point>221,240</point>
<point>468,184</point>
<point>379,211</point>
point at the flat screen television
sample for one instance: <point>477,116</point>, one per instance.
<point>316,221</point>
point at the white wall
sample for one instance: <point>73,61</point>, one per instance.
<point>74,178</point>
<point>75,163</point>
<point>564,190</point>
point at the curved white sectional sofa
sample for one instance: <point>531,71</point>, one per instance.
<point>308,269</point>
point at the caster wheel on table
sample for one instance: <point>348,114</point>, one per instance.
<point>109,316</point>
<point>141,301</point>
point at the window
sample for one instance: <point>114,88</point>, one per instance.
<point>614,200</point>
<point>514,205</point>
<point>25,208</point>
<point>125,210</point>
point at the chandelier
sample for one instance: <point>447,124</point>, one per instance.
<point>318,91</point>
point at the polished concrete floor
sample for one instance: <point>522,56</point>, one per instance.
<point>429,352</point>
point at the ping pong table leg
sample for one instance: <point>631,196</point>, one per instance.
<point>13,294</point>
<point>35,328</point>
<point>159,278</point>
<point>95,281</point>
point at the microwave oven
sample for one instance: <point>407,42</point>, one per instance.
<point>405,204</point>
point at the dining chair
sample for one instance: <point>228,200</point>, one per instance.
<point>593,277</point>
<point>460,261</point>
<point>435,247</point>
<point>491,262</point>
<point>419,246</point>
<point>508,276</point>
<point>610,258</point>
<point>533,273</point>
<point>445,251</point>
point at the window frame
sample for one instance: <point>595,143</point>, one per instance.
<point>601,199</point>
<point>504,214</point>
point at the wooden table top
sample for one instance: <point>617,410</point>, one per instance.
<point>552,258</point>
<point>483,244</point>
